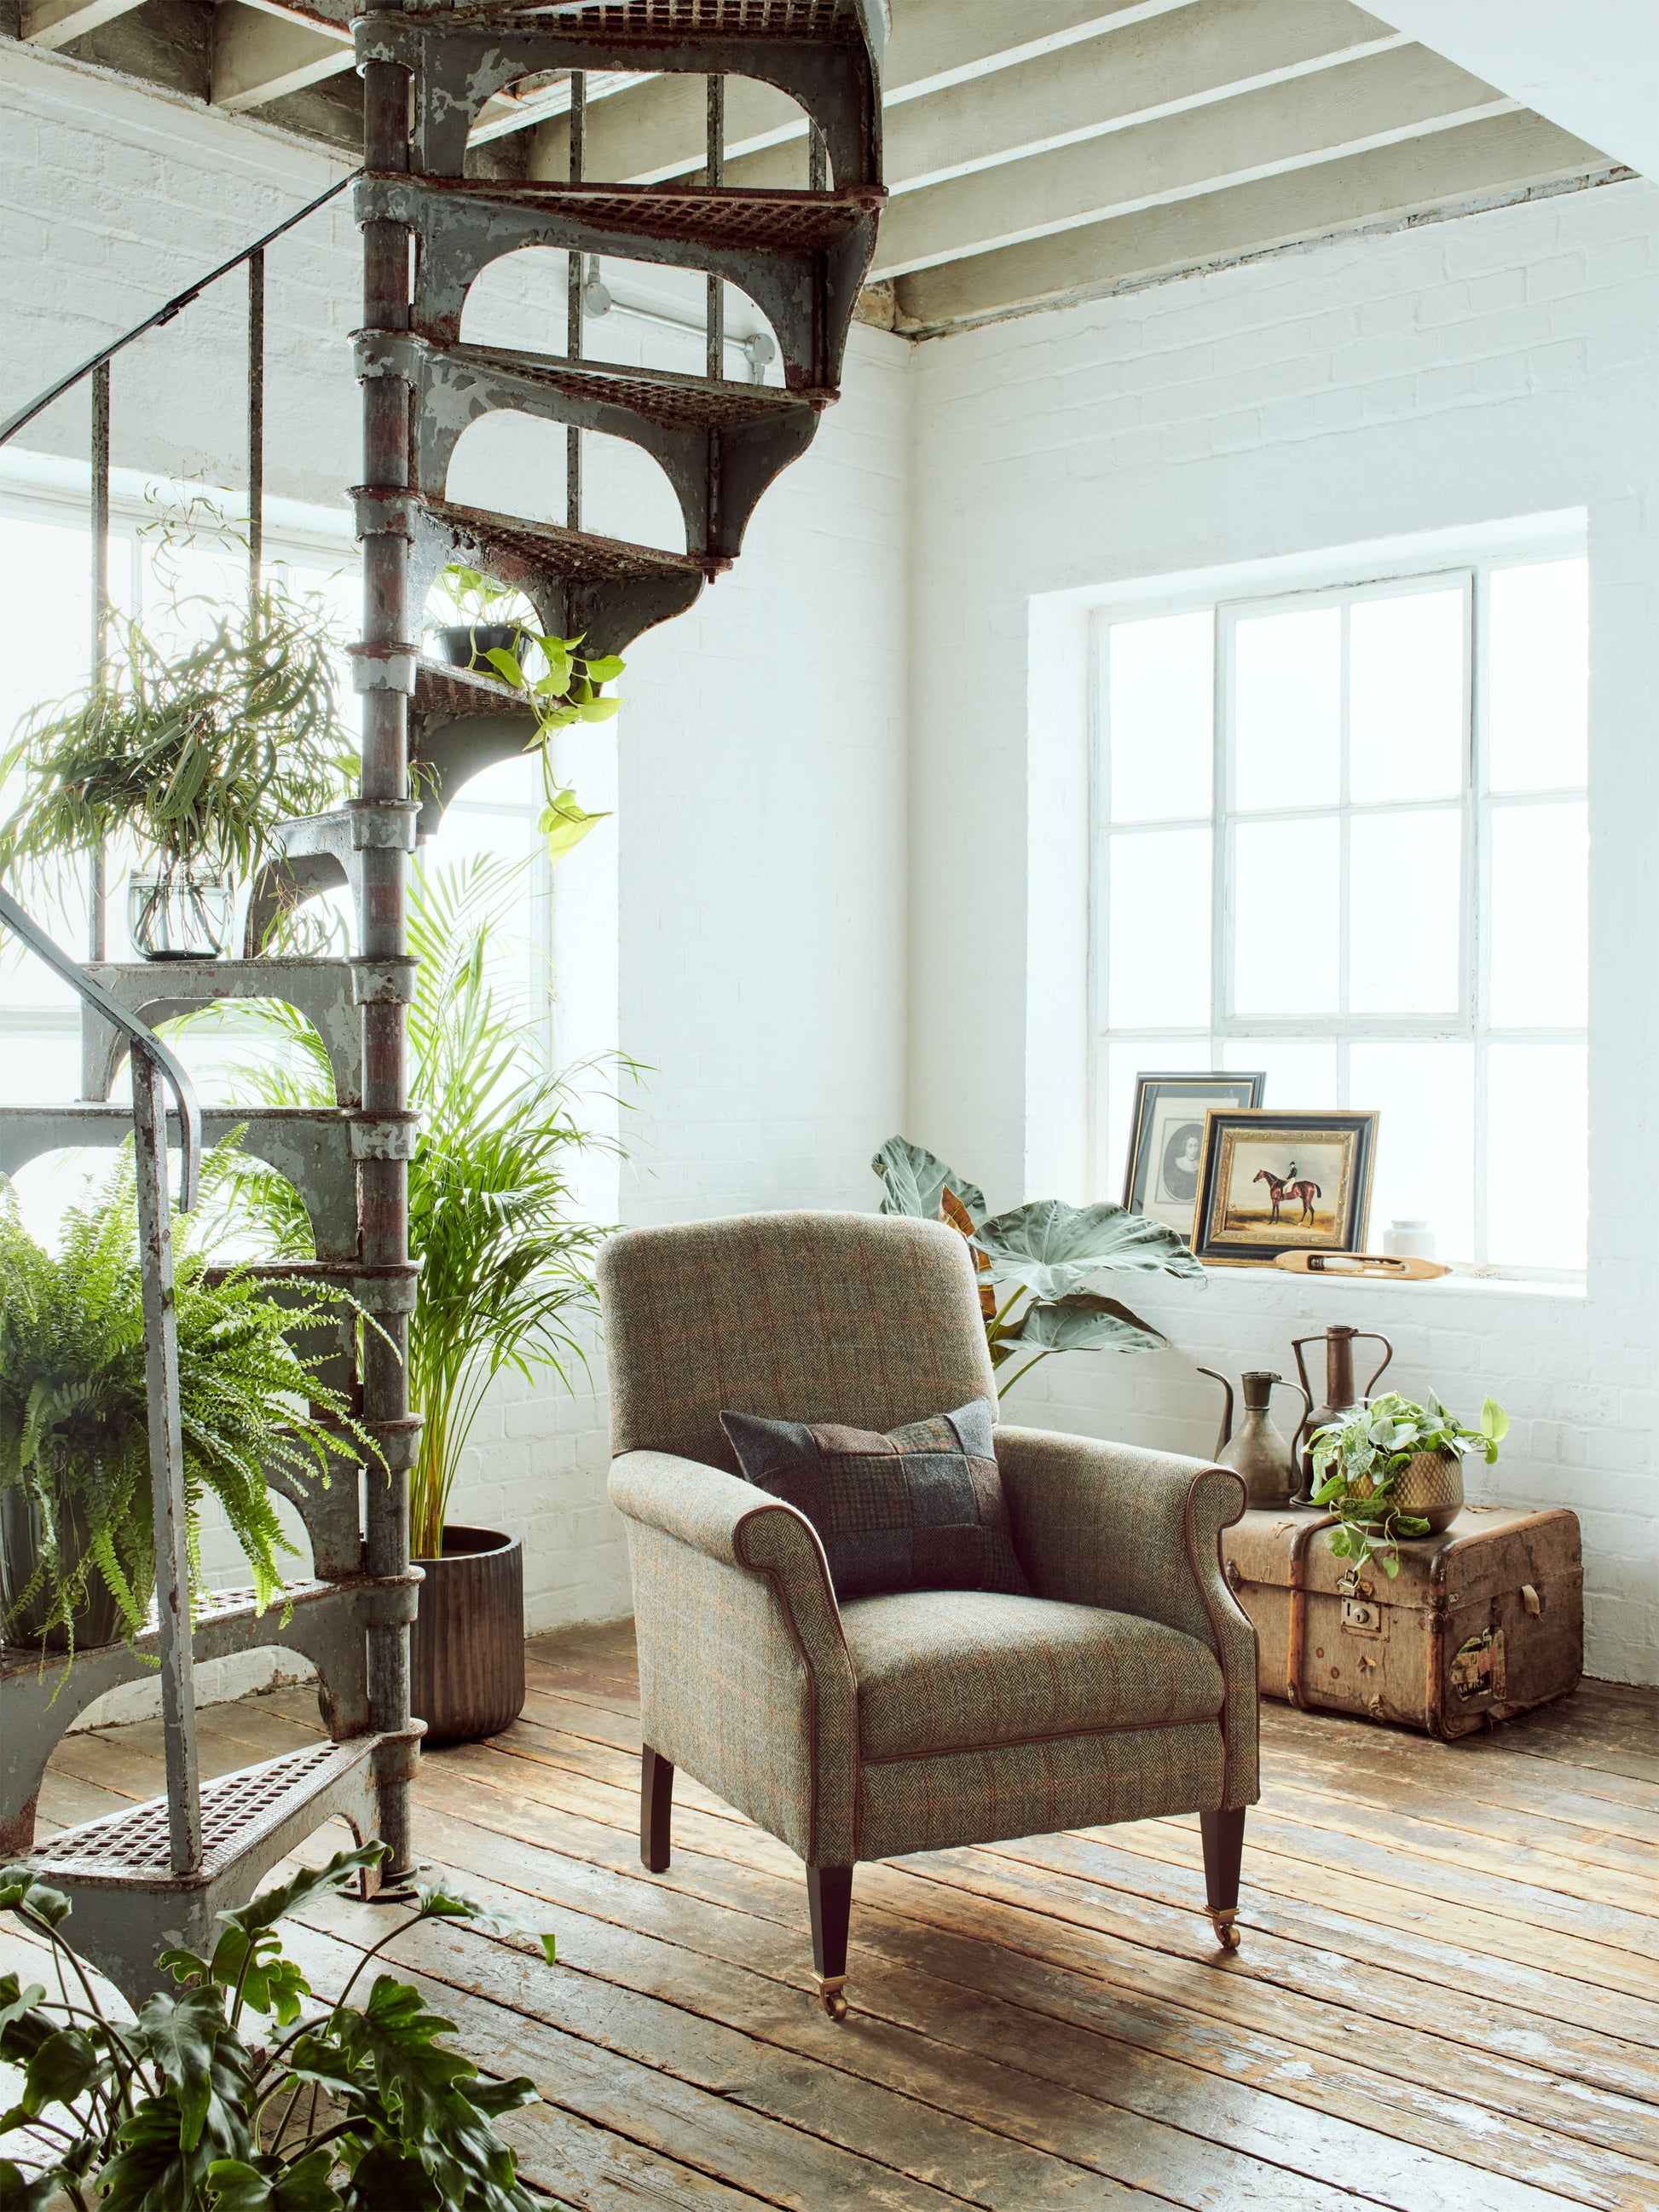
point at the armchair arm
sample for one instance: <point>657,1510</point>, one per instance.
<point>745,1676</point>
<point>1139,1532</point>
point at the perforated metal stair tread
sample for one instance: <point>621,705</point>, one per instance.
<point>561,552</point>
<point>698,215</point>
<point>131,1849</point>
<point>443,688</point>
<point>215,1606</point>
<point>819,20</point>
<point>659,395</point>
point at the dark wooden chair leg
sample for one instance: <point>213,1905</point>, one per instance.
<point>829,1893</point>
<point>656,1809</point>
<point>1223,1851</point>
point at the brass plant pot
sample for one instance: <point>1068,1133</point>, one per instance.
<point>1430,1487</point>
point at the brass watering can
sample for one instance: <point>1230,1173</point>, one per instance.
<point>1259,1452</point>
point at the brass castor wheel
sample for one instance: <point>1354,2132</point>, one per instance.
<point>1226,1929</point>
<point>832,1996</point>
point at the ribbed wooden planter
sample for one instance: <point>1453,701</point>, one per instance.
<point>466,1649</point>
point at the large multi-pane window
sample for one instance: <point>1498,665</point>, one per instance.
<point>1342,837</point>
<point>45,653</point>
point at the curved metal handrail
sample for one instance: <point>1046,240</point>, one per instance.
<point>135,1032</point>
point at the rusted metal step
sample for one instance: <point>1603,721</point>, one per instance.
<point>825,54</point>
<point>117,1871</point>
<point>160,991</point>
<point>800,256</point>
<point>720,445</point>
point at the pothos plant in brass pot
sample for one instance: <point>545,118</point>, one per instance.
<point>1392,1471</point>
<point>1035,1262</point>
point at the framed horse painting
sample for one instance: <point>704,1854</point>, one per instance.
<point>1275,1181</point>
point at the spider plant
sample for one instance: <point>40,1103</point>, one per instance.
<point>505,1269</point>
<point>73,1410</point>
<point>195,750</point>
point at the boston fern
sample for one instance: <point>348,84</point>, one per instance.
<point>237,2095</point>
<point>504,1267</point>
<point>1036,1261</point>
<point>74,1412</point>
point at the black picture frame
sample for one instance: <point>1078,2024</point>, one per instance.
<point>1235,1228</point>
<point>1149,1187</point>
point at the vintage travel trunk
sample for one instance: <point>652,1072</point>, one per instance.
<point>1482,1622</point>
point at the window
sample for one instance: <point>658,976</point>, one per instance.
<point>45,653</point>
<point>1342,837</point>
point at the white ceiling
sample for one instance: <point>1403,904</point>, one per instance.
<point>1590,65</point>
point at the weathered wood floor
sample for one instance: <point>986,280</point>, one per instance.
<point>1447,1996</point>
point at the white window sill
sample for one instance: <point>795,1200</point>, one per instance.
<point>1453,1285</point>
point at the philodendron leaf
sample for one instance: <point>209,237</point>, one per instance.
<point>284,1897</point>
<point>916,1182</point>
<point>1083,1321</point>
<point>180,2035</point>
<point>27,2193</point>
<point>304,2188</point>
<point>22,1891</point>
<point>1052,1249</point>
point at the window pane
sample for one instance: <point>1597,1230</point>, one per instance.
<point>1405,876</point>
<point>1538,676</point>
<point>1161,711</point>
<point>1405,697</point>
<point>1159,946</point>
<point>1300,1071</point>
<point>1284,932</point>
<point>1538,918</point>
<point>1537,1148</point>
<point>1425,1093</point>
<point>1287,710</point>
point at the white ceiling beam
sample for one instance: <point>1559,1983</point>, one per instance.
<point>258,56</point>
<point>1359,106</point>
<point>1477,163</point>
<point>55,23</point>
<point>657,130</point>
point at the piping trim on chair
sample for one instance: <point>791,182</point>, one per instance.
<point>1214,1619</point>
<point>1015,1742</point>
<point>772,1575</point>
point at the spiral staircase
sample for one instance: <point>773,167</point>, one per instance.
<point>161,1871</point>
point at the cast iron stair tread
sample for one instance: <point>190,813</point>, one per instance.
<point>442,688</point>
<point>555,551</point>
<point>165,974</point>
<point>130,1847</point>
<point>660,395</point>
<point>95,1115</point>
<point>730,216</point>
<point>818,20</point>
<point>213,1607</point>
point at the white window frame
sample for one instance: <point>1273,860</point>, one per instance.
<point>1349,584</point>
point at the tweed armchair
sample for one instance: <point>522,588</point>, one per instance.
<point>922,1719</point>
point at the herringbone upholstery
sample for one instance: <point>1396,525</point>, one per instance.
<point>1124,1687</point>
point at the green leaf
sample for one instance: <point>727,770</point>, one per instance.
<point>1084,1321</point>
<point>606,668</point>
<point>1052,1249</point>
<point>387,2180</point>
<point>493,2098</point>
<point>59,2070</point>
<point>181,2034</point>
<point>504,662</point>
<point>916,1181</point>
<point>1494,1425</point>
<point>33,2193</point>
<point>564,824</point>
<point>597,710</point>
<point>274,1903</point>
<point>396,2035</point>
<point>306,2187</point>
<point>22,1891</point>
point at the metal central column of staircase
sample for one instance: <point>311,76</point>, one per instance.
<point>161,1872</point>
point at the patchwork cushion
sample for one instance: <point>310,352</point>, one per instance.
<point>919,1508</point>
<point>943,1670</point>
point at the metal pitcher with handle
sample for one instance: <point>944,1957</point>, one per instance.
<point>1259,1452</point>
<point>1341,1396</point>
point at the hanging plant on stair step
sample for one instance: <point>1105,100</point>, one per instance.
<point>1035,1262</point>
<point>194,751</point>
<point>495,636</point>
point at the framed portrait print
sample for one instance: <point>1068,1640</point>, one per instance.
<point>1275,1181</point>
<point>1166,1147</point>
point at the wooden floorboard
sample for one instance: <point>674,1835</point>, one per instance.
<point>1446,2000</point>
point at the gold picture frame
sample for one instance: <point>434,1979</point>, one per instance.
<point>1276,1181</point>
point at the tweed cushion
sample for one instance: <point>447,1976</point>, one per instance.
<point>940,1670</point>
<point>921,1507</point>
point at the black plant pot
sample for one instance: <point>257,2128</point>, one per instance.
<point>465,645</point>
<point>97,1620</point>
<point>467,1648</point>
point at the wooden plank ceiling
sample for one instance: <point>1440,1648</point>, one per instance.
<point>1038,151</point>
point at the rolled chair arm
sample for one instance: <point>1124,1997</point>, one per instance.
<point>1139,1532</point>
<point>745,1676</point>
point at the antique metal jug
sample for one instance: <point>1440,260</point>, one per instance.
<point>1341,1396</point>
<point>1259,1452</point>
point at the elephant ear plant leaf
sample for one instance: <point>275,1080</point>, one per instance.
<point>326,2104</point>
<point>1040,1258</point>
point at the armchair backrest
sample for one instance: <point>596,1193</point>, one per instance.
<point>862,1318</point>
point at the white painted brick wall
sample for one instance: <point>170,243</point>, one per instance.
<point>1498,365</point>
